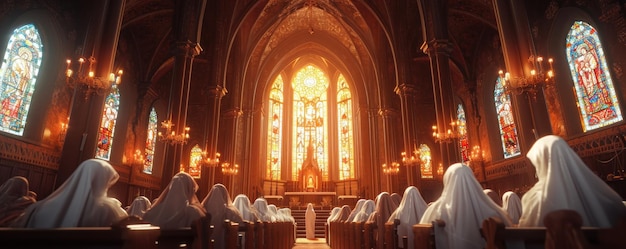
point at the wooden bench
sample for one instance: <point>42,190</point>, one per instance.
<point>119,236</point>
<point>425,235</point>
<point>563,230</point>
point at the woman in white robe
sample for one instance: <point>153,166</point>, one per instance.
<point>309,221</point>
<point>365,212</point>
<point>333,214</point>
<point>260,204</point>
<point>357,208</point>
<point>218,204</point>
<point>248,212</point>
<point>512,204</point>
<point>80,202</point>
<point>177,206</point>
<point>140,205</point>
<point>385,206</point>
<point>14,199</point>
<point>409,212</point>
<point>463,206</point>
<point>565,182</point>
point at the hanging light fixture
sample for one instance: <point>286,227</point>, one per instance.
<point>85,76</point>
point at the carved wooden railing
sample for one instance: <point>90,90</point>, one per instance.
<point>20,151</point>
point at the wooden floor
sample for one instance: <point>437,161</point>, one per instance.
<point>302,243</point>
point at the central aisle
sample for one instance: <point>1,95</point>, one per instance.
<point>302,243</point>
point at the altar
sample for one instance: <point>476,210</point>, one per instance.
<point>318,199</point>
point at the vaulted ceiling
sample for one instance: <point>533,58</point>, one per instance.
<point>260,29</point>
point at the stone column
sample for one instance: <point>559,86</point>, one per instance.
<point>100,42</point>
<point>211,126</point>
<point>409,108</point>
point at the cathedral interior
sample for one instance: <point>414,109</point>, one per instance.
<point>288,98</point>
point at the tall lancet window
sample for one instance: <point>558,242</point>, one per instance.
<point>310,123</point>
<point>195,161</point>
<point>426,163</point>
<point>597,101</point>
<point>462,129</point>
<point>506,122</point>
<point>346,144</point>
<point>19,70</point>
<point>151,140</point>
<point>107,124</point>
<point>274,136</point>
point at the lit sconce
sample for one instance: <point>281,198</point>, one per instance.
<point>212,162</point>
<point>477,154</point>
<point>170,136</point>
<point>138,156</point>
<point>228,169</point>
<point>540,76</point>
<point>86,77</point>
<point>62,132</point>
<point>449,135</point>
<point>392,169</point>
<point>413,159</point>
<point>440,170</point>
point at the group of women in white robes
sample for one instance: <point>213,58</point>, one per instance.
<point>79,202</point>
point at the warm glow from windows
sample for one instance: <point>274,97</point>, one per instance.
<point>18,75</point>
<point>151,140</point>
<point>508,129</point>
<point>597,101</point>
<point>107,124</point>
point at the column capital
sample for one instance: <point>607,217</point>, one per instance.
<point>218,91</point>
<point>187,48</point>
<point>439,46</point>
<point>235,113</point>
<point>405,89</point>
<point>387,112</point>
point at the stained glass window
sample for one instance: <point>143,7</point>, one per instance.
<point>274,136</point>
<point>107,124</point>
<point>506,122</point>
<point>151,140</point>
<point>195,162</point>
<point>597,101</point>
<point>310,124</point>
<point>346,145</point>
<point>426,165</point>
<point>19,70</point>
<point>462,128</point>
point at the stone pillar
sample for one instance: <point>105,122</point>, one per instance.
<point>518,48</point>
<point>211,126</point>
<point>187,26</point>
<point>438,48</point>
<point>409,107</point>
<point>100,41</point>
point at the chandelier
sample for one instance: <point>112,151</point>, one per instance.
<point>170,136</point>
<point>413,159</point>
<point>541,76</point>
<point>448,135</point>
<point>86,77</point>
<point>391,169</point>
<point>230,169</point>
<point>212,162</point>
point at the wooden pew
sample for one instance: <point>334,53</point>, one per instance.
<point>563,230</point>
<point>369,241</point>
<point>391,235</point>
<point>231,235</point>
<point>425,235</point>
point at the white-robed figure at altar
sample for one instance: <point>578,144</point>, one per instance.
<point>309,220</point>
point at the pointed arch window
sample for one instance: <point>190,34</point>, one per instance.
<point>195,161</point>
<point>151,140</point>
<point>107,124</point>
<point>310,125</point>
<point>462,129</point>
<point>346,144</point>
<point>274,135</point>
<point>426,165</point>
<point>19,71</point>
<point>597,101</point>
<point>506,122</point>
